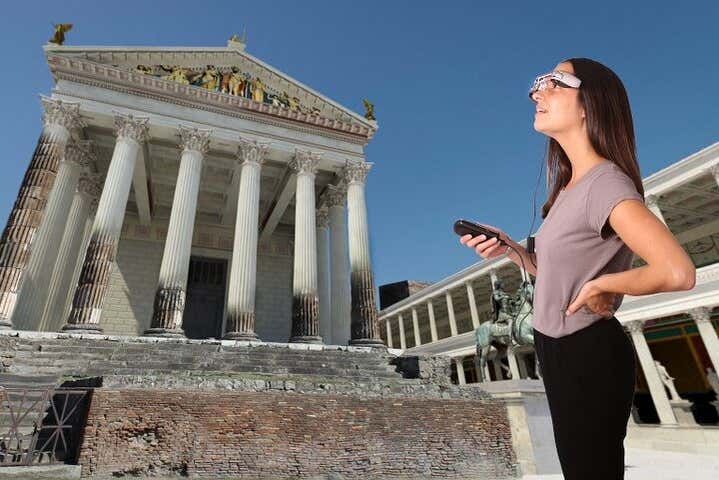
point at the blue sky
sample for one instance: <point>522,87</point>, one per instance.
<point>449,82</point>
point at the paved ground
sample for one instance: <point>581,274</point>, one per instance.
<point>661,465</point>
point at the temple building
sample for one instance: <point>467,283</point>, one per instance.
<point>191,191</point>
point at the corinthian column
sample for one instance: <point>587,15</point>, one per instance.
<point>656,387</point>
<point>92,284</point>
<point>66,269</point>
<point>27,212</point>
<point>364,325</point>
<point>35,286</point>
<point>702,317</point>
<point>340,302</point>
<point>323,277</point>
<point>305,304</point>
<point>240,324</point>
<point>170,295</point>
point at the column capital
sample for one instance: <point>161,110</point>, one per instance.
<point>131,126</point>
<point>335,195</point>
<point>651,201</point>
<point>61,113</point>
<point>305,161</point>
<point>252,151</point>
<point>80,153</point>
<point>355,172</point>
<point>700,314</point>
<point>192,138</point>
<point>635,326</point>
<point>323,218</point>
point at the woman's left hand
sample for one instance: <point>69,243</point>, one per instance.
<point>594,296</point>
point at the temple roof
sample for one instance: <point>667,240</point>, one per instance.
<point>226,76</point>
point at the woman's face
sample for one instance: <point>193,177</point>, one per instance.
<point>557,110</point>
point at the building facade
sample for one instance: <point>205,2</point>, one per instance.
<point>191,192</point>
<point>676,329</point>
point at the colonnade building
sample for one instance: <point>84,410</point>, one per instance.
<point>191,192</point>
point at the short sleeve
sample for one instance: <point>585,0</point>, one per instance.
<point>605,193</point>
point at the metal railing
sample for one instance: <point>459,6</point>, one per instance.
<point>41,425</point>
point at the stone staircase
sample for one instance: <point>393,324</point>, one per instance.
<point>81,357</point>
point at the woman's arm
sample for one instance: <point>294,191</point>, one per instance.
<point>668,268</point>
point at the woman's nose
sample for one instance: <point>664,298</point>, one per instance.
<point>536,96</point>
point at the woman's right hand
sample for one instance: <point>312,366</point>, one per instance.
<point>486,248</point>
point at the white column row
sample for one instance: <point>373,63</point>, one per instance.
<point>35,287</point>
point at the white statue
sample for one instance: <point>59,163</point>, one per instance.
<point>713,380</point>
<point>667,380</point>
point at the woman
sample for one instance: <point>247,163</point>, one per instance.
<point>595,220</point>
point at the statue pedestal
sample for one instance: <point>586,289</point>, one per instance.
<point>529,421</point>
<point>683,412</point>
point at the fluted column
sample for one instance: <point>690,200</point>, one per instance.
<point>323,276</point>
<point>388,323</point>
<point>513,366</point>
<point>305,304</point>
<point>240,322</point>
<point>652,203</point>
<point>100,255</point>
<point>473,306</point>
<point>340,299</point>
<point>432,321</point>
<point>656,387</point>
<point>702,317</point>
<point>402,336</point>
<point>169,302</point>
<point>458,362</point>
<point>74,238</point>
<point>364,326</point>
<point>27,212</point>
<point>415,327</point>
<point>450,314</point>
<point>35,286</point>
<point>714,170</point>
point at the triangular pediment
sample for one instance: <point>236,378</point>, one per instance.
<point>227,73</point>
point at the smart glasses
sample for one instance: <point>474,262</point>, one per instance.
<point>554,79</point>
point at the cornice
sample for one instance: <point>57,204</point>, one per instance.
<point>105,76</point>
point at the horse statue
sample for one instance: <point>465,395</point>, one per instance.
<point>511,325</point>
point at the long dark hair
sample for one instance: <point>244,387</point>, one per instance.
<point>609,125</point>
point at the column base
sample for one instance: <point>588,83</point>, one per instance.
<point>163,332</point>
<point>5,325</point>
<point>82,328</point>
<point>242,336</point>
<point>683,412</point>
<point>367,342</point>
<point>306,339</point>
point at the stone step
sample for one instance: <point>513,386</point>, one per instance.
<point>64,357</point>
<point>98,370</point>
<point>94,345</point>
<point>65,361</point>
<point>9,380</point>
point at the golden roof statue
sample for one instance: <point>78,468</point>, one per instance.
<point>60,30</point>
<point>369,110</point>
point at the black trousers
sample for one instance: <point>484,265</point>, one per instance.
<point>589,380</point>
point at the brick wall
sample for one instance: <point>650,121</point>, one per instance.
<point>276,435</point>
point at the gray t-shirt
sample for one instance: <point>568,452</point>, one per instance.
<point>574,245</point>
